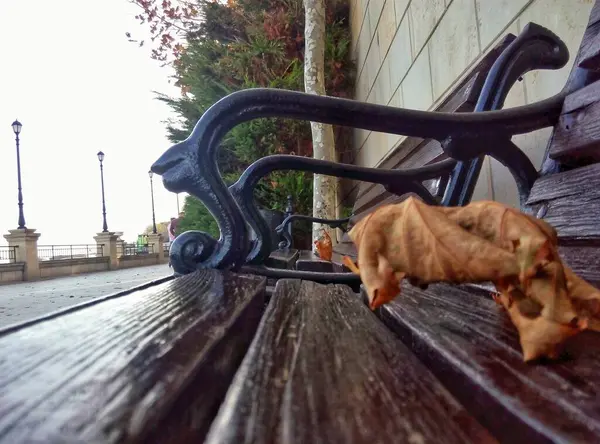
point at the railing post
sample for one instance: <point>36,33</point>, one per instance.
<point>25,242</point>
<point>109,240</point>
<point>155,241</point>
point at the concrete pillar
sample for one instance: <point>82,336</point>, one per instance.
<point>26,242</point>
<point>109,247</point>
<point>156,243</point>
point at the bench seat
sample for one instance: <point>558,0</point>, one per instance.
<point>469,343</point>
<point>150,364</point>
<point>323,369</point>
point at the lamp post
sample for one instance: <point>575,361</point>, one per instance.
<point>16,126</point>
<point>150,174</point>
<point>101,159</point>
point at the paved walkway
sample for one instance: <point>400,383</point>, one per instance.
<point>26,300</point>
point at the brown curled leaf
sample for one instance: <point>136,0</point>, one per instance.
<point>538,336</point>
<point>549,288</point>
<point>324,247</point>
<point>423,244</point>
<point>390,286</point>
<point>391,279</point>
<point>484,241</point>
<point>500,224</point>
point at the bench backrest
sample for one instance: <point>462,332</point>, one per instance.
<point>568,194</point>
<point>414,152</point>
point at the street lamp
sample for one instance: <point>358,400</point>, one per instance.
<point>150,174</point>
<point>16,126</point>
<point>104,225</point>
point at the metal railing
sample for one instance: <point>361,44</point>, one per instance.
<point>136,249</point>
<point>62,252</point>
<point>8,255</point>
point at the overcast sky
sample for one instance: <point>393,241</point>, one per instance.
<point>78,86</point>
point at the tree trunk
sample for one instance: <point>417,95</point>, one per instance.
<point>325,187</point>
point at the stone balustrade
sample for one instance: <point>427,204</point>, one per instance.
<point>22,260</point>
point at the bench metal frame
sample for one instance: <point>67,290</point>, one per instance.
<point>191,165</point>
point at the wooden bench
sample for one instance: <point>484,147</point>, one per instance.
<point>215,356</point>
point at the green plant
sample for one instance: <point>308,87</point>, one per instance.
<point>346,212</point>
<point>238,44</point>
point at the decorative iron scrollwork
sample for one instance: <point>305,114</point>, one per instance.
<point>281,229</point>
<point>191,165</point>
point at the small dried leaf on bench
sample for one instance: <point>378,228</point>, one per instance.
<point>484,241</point>
<point>324,247</point>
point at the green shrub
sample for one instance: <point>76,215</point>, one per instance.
<point>247,44</point>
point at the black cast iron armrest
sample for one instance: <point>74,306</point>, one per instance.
<point>191,165</point>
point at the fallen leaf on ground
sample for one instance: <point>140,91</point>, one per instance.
<point>483,241</point>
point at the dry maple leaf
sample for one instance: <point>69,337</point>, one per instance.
<point>324,247</point>
<point>484,241</point>
<point>419,242</point>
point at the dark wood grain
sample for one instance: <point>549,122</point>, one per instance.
<point>583,256</point>
<point>570,201</point>
<point>468,342</point>
<point>590,57</point>
<point>589,51</point>
<point>151,365</point>
<point>581,98</point>
<point>578,77</point>
<point>557,157</point>
<point>577,133</point>
<point>427,153</point>
<point>323,369</point>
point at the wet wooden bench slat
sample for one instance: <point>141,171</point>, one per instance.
<point>323,369</point>
<point>570,202</point>
<point>116,371</point>
<point>563,144</point>
<point>468,342</point>
<point>577,132</point>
